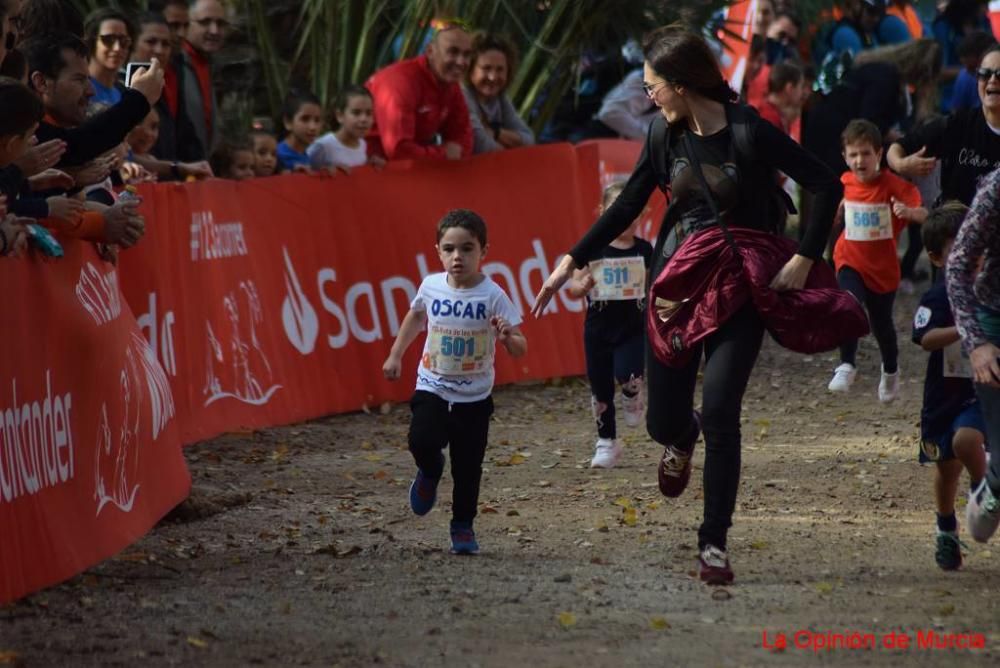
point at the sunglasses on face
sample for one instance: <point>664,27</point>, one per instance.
<point>110,40</point>
<point>207,22</point>
<point>985,73</point>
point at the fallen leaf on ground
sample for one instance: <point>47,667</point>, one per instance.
<point>489,510</point>
<point>197,642</point>
<point>629,517</point>
<point>567,620</point>
<point>9,657</point>
<point>824,587</point>
<point>374,458</point>
<point>659,623</point>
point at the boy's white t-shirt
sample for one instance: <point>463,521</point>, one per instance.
<point>457,361</point>
<point>328,151</point>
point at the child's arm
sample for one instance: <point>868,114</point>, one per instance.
<point>939,337</point>
<point>510,336</point>
<point>912,214</point>
<point>413,324</point>
<point>581,283</point>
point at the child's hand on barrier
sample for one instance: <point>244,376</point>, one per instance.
<point>392,368</point>
<point>51,179</point>
<point>65,208</point>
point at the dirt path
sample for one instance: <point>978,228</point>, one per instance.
<point>298,548</point>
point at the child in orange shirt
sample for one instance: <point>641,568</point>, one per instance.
<point>877,207</point>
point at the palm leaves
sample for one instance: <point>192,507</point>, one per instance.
<point>324,45</point>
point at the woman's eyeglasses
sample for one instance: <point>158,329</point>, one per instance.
<point>650,89</point>
<point>110,40</point>
<point>985,73</point>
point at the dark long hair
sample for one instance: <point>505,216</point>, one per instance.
<point>683,58</point>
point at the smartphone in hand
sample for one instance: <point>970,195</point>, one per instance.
<point>130,70</point>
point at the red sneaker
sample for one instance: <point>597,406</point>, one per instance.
<point>674,470</point>
<point>713,566</point>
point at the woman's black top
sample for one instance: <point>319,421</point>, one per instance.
<point>743,192</point>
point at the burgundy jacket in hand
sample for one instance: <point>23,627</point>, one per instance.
<point>709,281</point>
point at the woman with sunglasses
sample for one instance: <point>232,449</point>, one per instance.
<point>967,142</point>
<point>710,181</point>
<point>109,35</point>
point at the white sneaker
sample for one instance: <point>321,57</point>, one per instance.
<point>982,514</point>
<point>888,387</point>
<point>843,377</point>
<point>634,407</point>
<point>606,453</point>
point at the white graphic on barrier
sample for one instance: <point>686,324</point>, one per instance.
<point>116,464</point>
<point>297,314</point>
<point>215,241</point>
<point>98,293</point>
<point>160,334</point>
<point>367,312</point>
<point>242,378</point>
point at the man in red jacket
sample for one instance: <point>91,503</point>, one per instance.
<point>420,98</point>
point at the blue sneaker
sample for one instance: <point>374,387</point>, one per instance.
<point>463,538</point>
<point>423,493</point>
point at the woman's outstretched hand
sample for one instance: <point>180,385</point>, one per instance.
<point>793,275</point>
<point>562,273</point>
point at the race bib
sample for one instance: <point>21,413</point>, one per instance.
<point>955,363</point>
<point>458,351</point>
<point>867,222</point>
<point>618,278</point>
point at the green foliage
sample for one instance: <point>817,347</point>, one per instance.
<point>326,44</point>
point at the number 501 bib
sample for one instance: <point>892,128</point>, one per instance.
<point>458,351</point>
<point>867,222</point>
<point>618,278</point>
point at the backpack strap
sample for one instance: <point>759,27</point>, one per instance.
<point>742,123</point>
<point>657,147</point>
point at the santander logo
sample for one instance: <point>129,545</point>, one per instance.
<point>297,314</point>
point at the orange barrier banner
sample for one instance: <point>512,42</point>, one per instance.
<point>276,300</point>
<point>90,453</point>
<point>735,36</point>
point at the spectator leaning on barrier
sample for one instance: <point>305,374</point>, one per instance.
<point>495,122</point>
<point>114,225</point>
<point>109,35</point>
<point>234,160</point>
<point>420,99</point>
<point>206,35</point>
<point>57,64</point>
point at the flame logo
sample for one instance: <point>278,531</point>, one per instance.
<point>297,314</point>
